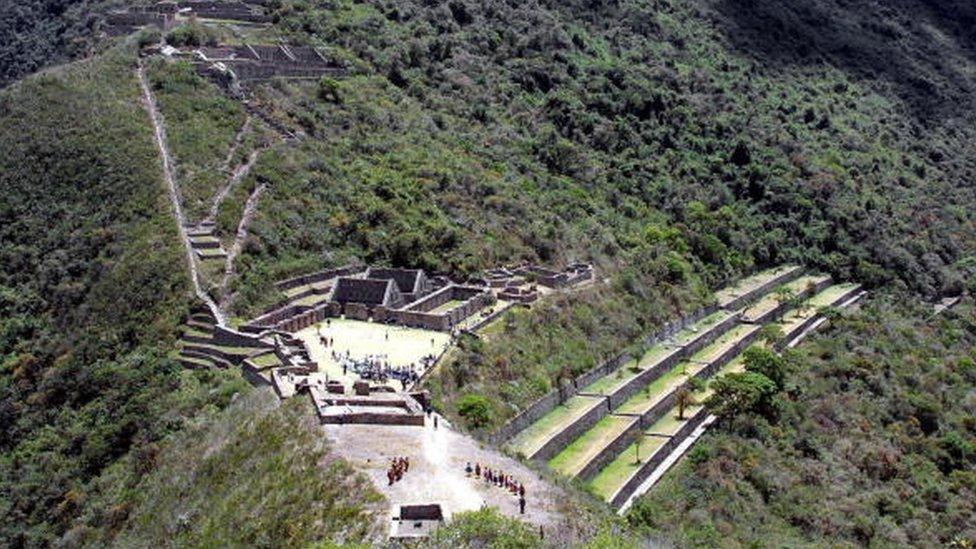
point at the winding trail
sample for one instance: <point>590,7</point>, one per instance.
<point>238,138</point>
<point>160,133</point>
<point>239,173</point>
<point>240,237</point>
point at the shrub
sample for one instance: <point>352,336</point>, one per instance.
<point>475,409</point>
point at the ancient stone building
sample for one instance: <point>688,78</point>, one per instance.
<point>412,283</point>
<point>368,291</point>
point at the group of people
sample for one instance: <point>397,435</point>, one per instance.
<point>500,479</point>
<point>398,467</point>
<point>376,368</point>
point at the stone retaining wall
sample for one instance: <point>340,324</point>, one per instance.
<point>750,296</point>
<point>781,308</point>
<point>620,497</point>
<point>304,280</point>
<point>571,432</point>
<point>550,400</point>
<point>611,451</point>
<point>709,336</point>
<point>634,386</point>
<point>813,318</point>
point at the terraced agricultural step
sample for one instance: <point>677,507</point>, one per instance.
<point>216,361</point>
<point>204,242</point>
<point>618,479</point>
<point>199,326</point>
<point>210,253</point>
<point>750,288</point>
<point>194,362</point>
<point>769,306</point>
<point>552,433</point>
<point>587,455</point>
<point>544,438</point>
<point>203,318</point>
<point>581,458</point>
<point>798,320</point>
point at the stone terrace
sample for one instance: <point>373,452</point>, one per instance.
<point>617,481</point>
<point>594,427</point>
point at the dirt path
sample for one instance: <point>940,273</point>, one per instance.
<point>235,178</point>
<point>240,237</point>
<point>160,133</point>
<point>238,138</point>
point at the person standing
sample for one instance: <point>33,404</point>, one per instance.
<point>521,505</point>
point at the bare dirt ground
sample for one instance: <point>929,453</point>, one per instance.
<point>437,471</point>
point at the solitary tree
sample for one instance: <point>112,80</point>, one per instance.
<point>685,398</point>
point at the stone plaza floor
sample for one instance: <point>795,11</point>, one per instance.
<point>400,345</point>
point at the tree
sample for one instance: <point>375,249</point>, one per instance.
<point>684,398</point>
<point>771,333</point>
<point>740,393</point>
<point>329,90</point>
<point>475,409</point>
<point>763,361</point>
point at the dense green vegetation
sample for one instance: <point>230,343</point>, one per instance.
<point>92,291</point>
<point>675,143</point>
<point>870,441</point>
<point>258,475</point>
<point>38,33</point>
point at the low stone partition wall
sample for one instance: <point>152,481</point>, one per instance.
<point>620,497</point>
<point>319,276</point>
<point>751,295</point>
<point>610,451</point>
<point>550,400</point>
<point>634,386</point>
<point>572,431</point>
<point>416,314</point>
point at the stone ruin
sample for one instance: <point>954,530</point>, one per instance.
<point>166,14</point>
<point>406,297</point>
<point>416,521</point>
<point>255,62</point>
<point>228,11</point>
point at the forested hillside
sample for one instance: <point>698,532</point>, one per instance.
<point>93,287</point>
<point>38,33</point>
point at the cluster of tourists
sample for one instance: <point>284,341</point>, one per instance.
<point>376,368</point>
<point>398,467</point>
<point>500,479</point>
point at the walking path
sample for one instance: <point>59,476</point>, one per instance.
<point>236,177</point>
<point>160,133</point>
<point>240,237</point>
